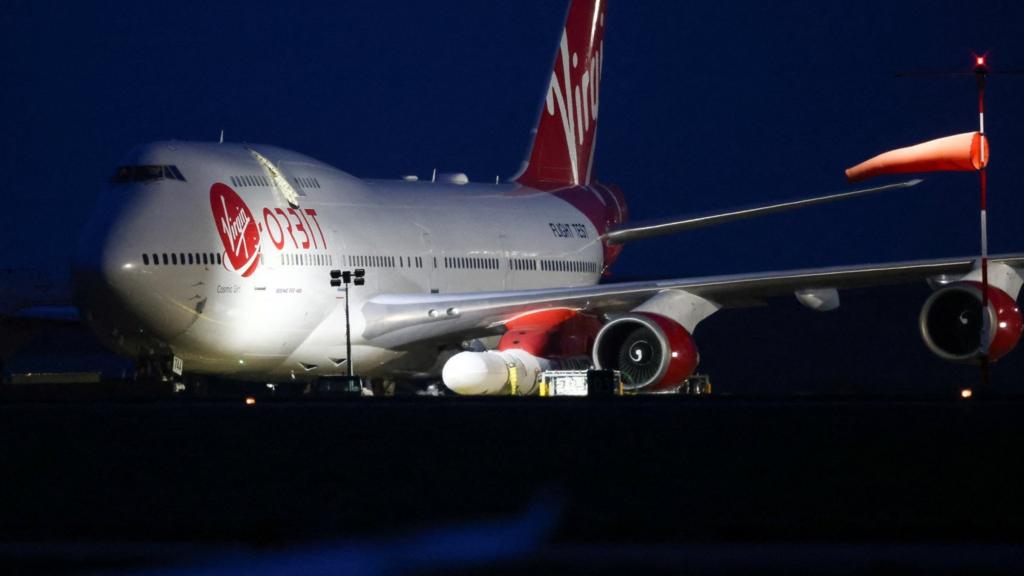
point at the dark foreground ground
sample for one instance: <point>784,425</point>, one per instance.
<point>441,485</point>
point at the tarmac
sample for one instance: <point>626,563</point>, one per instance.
<point>668,481</point>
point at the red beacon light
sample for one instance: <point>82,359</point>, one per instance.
<point>980,65</point>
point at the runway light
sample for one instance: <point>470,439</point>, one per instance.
<point>980,60</point>
<point>250,401</point>
<point>966,393</point>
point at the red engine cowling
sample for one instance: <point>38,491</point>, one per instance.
<point>951,322</point>
<point>651,351</point>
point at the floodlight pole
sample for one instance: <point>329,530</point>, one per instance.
<point>338,278</point>
<point>348,334</point>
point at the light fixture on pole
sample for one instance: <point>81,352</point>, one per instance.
<point>346,277</point>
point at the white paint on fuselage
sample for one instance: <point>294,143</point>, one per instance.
<point>285,317</point>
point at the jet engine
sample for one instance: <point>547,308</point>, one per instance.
<point>952,317</point>
<point>652,352</point>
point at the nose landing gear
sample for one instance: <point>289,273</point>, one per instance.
<point>165,371</point>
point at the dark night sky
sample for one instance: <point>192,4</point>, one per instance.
<point>704,106</point>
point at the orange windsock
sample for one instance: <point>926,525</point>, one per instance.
<point>968,151</point>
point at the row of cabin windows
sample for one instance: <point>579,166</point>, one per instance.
<point>307,259</point>
<point>181,259</point>
<point>384,261</point>
<point>522,264</point>
<point>568,266</point>
<point>249,180</point>
<point>207,259</point>
<point>471,263</point>
<point>467,263</point>
<point>307,182</point>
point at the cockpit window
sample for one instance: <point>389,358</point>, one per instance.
<point>125,174</point>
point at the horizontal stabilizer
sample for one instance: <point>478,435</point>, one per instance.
<point>638,230</point>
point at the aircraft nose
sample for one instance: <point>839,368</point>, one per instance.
<point>106,277</point>
<point>131,302</point>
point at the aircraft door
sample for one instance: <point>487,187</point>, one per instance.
<point>428,262</point>
<point>503,253</point>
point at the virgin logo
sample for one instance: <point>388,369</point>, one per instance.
<point>576,104</point>
<point>237,228</point>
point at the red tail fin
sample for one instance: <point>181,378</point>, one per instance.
<point>563,148</point>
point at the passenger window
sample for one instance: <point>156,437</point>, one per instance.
<point>145,259</point>
<point>174,259</point>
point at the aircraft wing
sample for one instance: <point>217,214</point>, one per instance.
<point>66,313</point>
<point>33,295</point>
<point>638,230</point>
<point>398,320</point>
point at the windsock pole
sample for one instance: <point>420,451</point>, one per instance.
<point>980,72</point>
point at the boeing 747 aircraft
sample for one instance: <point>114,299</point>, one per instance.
<point>217,256</point>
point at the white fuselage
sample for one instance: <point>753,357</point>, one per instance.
<point>283,319</point>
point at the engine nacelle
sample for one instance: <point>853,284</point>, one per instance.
<point>651,351</point>
<point>951,322</point>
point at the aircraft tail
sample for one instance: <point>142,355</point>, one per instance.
<point>562,153</point>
